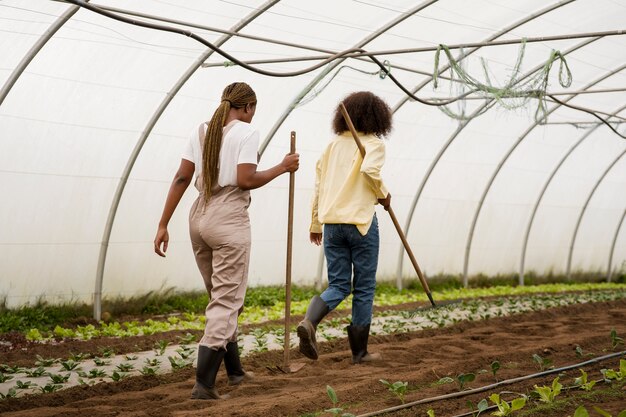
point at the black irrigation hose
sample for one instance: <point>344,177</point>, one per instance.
<point>331,58</point>
<point>492,386</point>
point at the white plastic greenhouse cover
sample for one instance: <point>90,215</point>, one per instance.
<point>95,111</point>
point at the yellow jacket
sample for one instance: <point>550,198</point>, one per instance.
<point>347,187</point>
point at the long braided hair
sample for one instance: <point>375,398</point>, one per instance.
<point>236,95</point>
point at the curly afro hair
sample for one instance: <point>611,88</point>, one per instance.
<point>368,112</point>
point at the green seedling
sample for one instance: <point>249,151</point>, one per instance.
<point>125,367</point>
<point>25,385</point>
<point>45,362</point>
<point>582,412</point>
<point>35,373</point>
<point>445,380</point>
<point>34,335</point>
<point>185,351</point>
<point>543,363</point>
<point>495,367</point>
<point>118,376</point>
<point>583,383</point>
<point>83,382</point>
<point>610,374</point>
<point>131,357</point>
<point>178,363</point>
<point>147,370</point>
<point>548,394</point>
<point>160,347</point>
<point>96,373</point>
<point>398,388</point>
<point>430,413</point>
<point>107,352</point>
<point>58,378</point>
<point>69,365</point>
<point>5,377</point>
<point>12,393</point>
<point>50,387</point>
<point>336,410</point>
<point>463,379</point>
<point>187,339</point>
<point>8,369</point>
<point>101,362</point>
<point>505,408</point>
<point>152,362</point>
<point>78,356</point>
<point>482,406</point>
<point>615,339</point>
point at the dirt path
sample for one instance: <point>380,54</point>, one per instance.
<point>420,358</point>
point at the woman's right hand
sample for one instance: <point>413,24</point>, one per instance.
<point>291,162</point>
<point>162,238</point>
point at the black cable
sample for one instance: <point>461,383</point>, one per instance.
<point>384,69</point>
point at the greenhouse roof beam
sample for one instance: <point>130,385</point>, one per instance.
<point>612,250</point>
<point>543,191</point>
<point>421,85</point>
<point>139,146</point>
<point>35,49</point>
<point>584,209</point>
<point>296,100</point>
<point>470,236</point>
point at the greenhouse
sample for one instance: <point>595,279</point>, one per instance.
<point>501,251</point>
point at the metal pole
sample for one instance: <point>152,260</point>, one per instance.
<point>292,184</point>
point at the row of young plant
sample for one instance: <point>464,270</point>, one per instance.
<point>53,374</point>
<point>547,395</point>
<point>258,314</point>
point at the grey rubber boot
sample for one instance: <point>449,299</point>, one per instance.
<point>232,363</point>
<point>209,361</point>
<point>358,337</point>
<point>306,328</point>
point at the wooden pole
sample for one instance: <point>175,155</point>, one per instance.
<point>292,183</point>
<point>346,116</point>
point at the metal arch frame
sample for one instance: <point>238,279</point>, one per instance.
<point>104,245</point>
<point>584,209</point>
<point>402,17</point>
<point>35,49</point>
<point>461,126</point>
<point>505,158</point>
<point>543,191</point>
<point>610,267</point>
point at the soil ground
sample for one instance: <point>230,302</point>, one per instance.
<point>420,358</point>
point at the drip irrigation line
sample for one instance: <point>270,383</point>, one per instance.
<point>492,386</point>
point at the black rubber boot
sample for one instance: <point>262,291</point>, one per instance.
<point>232,363</point>
<point>306,328</point>
<point>358,337</point>
<point>209,361</point>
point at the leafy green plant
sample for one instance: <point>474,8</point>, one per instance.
<point>147,370</point>
<point>178,363</point>
<point>398,388</point>
<point>78,356</point>
<point>118,376</point>
<point>187,339</point>
<point>35,373</point>
<point>25,385</point>
<point>495,367</point>
<point>45,362</point>
<point>430,413</point>
<point>543,363</point>
<point>583,383</point>
<point>101,362</point>
<point>160,346</point>
<point>50,387</point>
<point>69,365</point>
<point>582,412</point>
<point>107,352</point>
<point>152,362</point>
<point>610,374</point>
<point>615,339</point>
<point>34,335</point>
<point>505,408</point>
<point>130,357</point>
<point>11,393</point>
<point>548,394</point>
<point>185,351</point>
<point>336,410</point>
<point>8,369</point>
<point>96,373</point>
<point>125,367</point>
<point>463,379</point>
<point>58,378</point>
<point>4,377</point>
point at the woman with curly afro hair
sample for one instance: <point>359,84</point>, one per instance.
<point>347,188</point>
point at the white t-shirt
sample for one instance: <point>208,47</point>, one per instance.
<point>239,146</point>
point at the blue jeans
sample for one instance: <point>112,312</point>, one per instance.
<point>345,248</point>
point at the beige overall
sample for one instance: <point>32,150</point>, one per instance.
<point>220,237</point>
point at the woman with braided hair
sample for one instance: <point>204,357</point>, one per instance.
<point>223,155</point>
